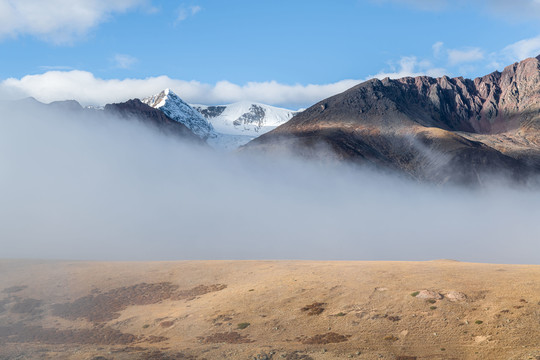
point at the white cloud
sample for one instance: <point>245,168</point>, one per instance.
<point>86,88</point>
<point>184,13</point>
<point>57,21</point>
<point>523,49</point>
<point>437,47</point>
<point>411,66</point>
<point>456,56</point>
<point>124,61</point>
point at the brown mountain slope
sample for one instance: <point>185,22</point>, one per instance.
<point>435,129</point>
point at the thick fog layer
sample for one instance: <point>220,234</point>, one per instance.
<point>86,186</point>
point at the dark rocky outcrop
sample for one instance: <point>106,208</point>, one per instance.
<point>136,110</point>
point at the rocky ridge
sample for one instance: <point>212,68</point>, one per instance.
<point>437,129</point>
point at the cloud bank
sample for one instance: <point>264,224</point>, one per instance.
<point>89,186</point>
<point>86,88</point>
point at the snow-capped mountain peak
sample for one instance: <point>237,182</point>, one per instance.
<point>222,126</point>
<point>175,108</point>
<point>245,118</point>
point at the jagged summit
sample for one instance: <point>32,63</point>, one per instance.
<point>175,108</point>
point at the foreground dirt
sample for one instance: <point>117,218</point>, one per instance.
<point>268,310</point>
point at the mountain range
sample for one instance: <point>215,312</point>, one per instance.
<point>222,126</point>
<point>438,130</point>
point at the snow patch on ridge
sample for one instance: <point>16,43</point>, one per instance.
<point>175,108</point>
<point>245,118</point>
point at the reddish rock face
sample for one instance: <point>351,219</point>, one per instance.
<point>430,128</point>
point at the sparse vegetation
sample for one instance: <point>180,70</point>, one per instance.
<point>391,338</point>
<point>243,325</point>
<point>328,338</point>
<point>478,322</point>
<point>415,294</point>
<point>433,307</point>
<point>314,309</point>
<point>228,338</point>
<point>145,326</point>
<point>432,301</point>
<point>341,314</point>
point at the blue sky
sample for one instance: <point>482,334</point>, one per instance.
<point>215,51</point>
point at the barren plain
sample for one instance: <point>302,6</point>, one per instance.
<point>268,310</point>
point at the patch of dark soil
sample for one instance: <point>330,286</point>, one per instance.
<point>394,318</point>
<point>20,333</point>
<point>159,355</point>
<point>228,337</point>
<point>328,338</point>
<point>152,339</point>
<point>406,358</point>
<point>197,291</point>
<point>14,289</point>
<point>129,349</point>
<point>107,306</point>
<point>166,324</point>
<point>27,306</point>
<point>314,309</point>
